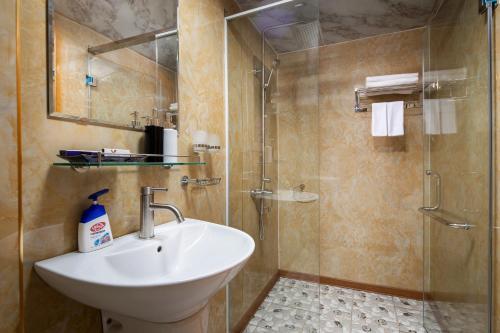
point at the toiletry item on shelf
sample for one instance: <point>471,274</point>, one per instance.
<point>395,118</point>
<point>213,143</point>
<point>79,156</point>
<point>200,139</point>
<point>159,143</point>
<point>115,151</point>
<point>150,141</point>
<point>169,145</point>
<point>154,142</point>
<point>94,230</point>
<point>115,154</point>
<point>379,119</point>
<point>391,80</point>
<point>93,156</point>
<point>174,107</point>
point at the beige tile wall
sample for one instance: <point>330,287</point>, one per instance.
<point>9,268</point>
<point>370,187</point>
<point>297,109</point>
<point>54,197</point>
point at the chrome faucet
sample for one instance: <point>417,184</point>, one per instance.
<point>148,206</point>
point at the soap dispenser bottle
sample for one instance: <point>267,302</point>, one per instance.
<point>94,231</point>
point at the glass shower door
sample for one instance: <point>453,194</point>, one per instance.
<point>456,125</point>
<point>273,185</point>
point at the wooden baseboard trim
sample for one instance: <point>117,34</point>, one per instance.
<point>247,316</point>
<point>413,294</point>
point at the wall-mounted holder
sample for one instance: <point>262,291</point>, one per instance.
<point>200,181</point>
<point>400,90</point>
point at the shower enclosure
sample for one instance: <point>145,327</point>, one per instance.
<point>458,166</point>
<point>273,165</point>
<point>272,103</point>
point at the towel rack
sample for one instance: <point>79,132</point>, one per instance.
<point>404,89</point>
<point>185,180</point>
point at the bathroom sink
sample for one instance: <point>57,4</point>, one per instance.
<point>164,279</point>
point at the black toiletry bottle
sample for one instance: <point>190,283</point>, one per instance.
<point>150,142</point>
<point>158,143</point>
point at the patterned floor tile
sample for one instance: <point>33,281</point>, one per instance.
<point>407,303</point>
<point>306,307</point>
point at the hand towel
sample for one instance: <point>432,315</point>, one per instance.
<point>432,119</point>
<point>395,118</point>
<point>448,116</point>
<point>379,119</point>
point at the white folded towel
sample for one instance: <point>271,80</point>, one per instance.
<point>446,75</point>
<point>379,119</point>
<point>395,118</point>
<point>432,119</point>
<point>440,116</point>
<point>391,80</point>
<point>448,116</point>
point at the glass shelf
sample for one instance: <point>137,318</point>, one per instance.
<point>116,164</point>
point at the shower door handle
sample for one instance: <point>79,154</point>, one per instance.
<point>436,176</point>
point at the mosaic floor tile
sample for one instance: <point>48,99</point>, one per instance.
<point>307,307</point>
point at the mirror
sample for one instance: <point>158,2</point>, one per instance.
<point>113,63</point>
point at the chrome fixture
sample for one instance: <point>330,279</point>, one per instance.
<point>404,89</point>
<point>447,218</point>
<point>276,63</point>
<point>185,180</point>
<point>437,190</point>
<point>260,194</point>
<point>148,206</point>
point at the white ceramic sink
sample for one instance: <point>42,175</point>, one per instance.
<point>163,280</point>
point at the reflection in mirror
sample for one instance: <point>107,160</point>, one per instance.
<point>113,63</point>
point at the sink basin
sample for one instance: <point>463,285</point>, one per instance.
<point>162,280</point>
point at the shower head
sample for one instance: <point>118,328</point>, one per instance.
<point>308,35</point>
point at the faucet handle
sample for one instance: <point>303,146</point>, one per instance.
<point>148,190</point>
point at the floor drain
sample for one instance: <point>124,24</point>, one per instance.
<point>158,249</point>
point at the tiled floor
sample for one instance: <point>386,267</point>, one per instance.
<point>299,306</point>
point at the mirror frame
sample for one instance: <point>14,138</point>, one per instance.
<point>50,68</point>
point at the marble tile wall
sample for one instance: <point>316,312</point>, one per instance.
<point>54,197</point>
<point>9,258</point>
<point>126,80</point>
<point>297,108</point>
<point>370,188</point>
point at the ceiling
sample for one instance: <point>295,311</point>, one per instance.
<point>339,20</point>
<point>118,19</point>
